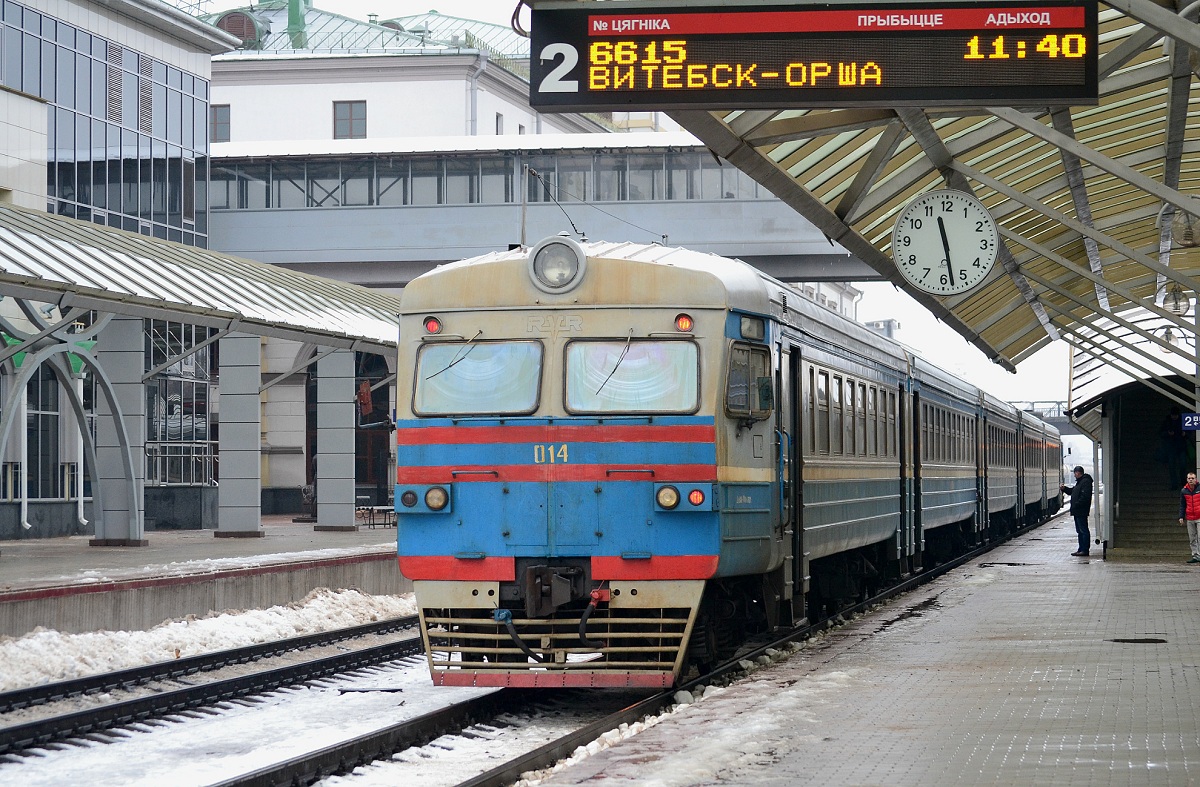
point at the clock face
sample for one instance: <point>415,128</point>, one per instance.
<point>945,242</point>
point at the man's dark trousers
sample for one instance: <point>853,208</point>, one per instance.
<point>1081,529</point>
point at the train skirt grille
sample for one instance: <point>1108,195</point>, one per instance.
<point>640,647</point>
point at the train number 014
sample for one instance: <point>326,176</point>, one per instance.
<point>550,454</point>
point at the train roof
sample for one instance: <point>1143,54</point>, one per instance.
<point>501,279</point>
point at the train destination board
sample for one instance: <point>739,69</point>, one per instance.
<point>730,57</point>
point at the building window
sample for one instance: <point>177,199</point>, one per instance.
<point>520,130</point>
<point>220,123</point>
<point>349,119</point>
<point>499,123</point>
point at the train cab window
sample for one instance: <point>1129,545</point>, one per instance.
<point>477,378</point>
<point>750,390</point>
<point>632,377</point>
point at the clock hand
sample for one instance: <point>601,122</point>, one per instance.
<point>946,246</point>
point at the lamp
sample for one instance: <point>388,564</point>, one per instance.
<point>1184,231</point>
<point>1176,301</point>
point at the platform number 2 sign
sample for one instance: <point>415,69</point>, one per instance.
<point>554,81</point>
<point>1191,422</point>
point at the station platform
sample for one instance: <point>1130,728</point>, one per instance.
<point>68,585</point>
<point>1027,667</point>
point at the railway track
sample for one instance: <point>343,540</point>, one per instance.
<point>22,736</point>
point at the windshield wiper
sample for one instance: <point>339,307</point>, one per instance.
<point>460,355</point>
<point>621,357</point>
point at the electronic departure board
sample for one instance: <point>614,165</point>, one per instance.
<point>665,56</point>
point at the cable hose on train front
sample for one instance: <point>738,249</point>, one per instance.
<point>598,595</point>
<point>505,616</point>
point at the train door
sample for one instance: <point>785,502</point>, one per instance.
<point>796,562</point>
<point>915,423</point>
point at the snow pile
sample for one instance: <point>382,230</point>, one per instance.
<point>46,656</point>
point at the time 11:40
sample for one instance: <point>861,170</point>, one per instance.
<point>1073,45</point>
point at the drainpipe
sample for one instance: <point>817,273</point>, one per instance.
<point>295,28</point>
<point>473,109</point>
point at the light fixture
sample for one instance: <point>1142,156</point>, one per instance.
<point>1184,231</point>
<point>1176,301</point>
<point>557,264</point>
<point>1169,337</point>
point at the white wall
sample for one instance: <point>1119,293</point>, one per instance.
<point>291,112</point>
<point>22,150</point>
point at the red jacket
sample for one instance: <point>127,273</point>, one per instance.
<point>1189,503</point>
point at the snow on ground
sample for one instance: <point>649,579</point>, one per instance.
<point>239,739</point>
<point>46,656</point>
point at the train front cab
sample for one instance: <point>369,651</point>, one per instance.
<point>583,519</point>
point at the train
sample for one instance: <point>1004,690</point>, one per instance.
<point>619,460</point>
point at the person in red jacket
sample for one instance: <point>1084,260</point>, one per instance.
<point>1189,513</point>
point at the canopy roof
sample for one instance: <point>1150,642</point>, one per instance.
<point>1085,197</point>
<point>76,264</point>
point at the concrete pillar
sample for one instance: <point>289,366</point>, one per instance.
<point>239,496</point>
<point>335,441</point>
<point>120,353</point>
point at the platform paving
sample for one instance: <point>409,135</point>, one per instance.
<point>1027,667</point>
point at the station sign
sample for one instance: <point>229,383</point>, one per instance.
<point>1191,422</point>
<point>664,56</point>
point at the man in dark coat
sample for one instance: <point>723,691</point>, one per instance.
<point>1081,503</point>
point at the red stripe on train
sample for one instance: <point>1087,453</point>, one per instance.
<point>656,567</point>
<point>445,567</point>
<point>556,472</point>
<point>551,433</point>
<point>554,680</point>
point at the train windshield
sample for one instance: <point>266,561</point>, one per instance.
<point>632,377</point>
<point>478,378</point>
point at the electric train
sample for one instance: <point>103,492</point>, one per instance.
<point>617,459</point>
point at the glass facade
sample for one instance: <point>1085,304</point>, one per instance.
<point>488,178</point>
<point>128,134</point>
<point>180,444</point>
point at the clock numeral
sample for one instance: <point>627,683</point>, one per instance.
<point>906,240</point>
<point>928,210</point>
<point>914,223</point>
<point>947,206</point>
<point>927,270</point>
<point>977,263</point>
<point>945,281</point>
<point>983,244</point>
<point>979,226</point>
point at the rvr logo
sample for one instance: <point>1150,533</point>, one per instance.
<point>553,324</point>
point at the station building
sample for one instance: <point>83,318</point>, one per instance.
<point>104,109</point>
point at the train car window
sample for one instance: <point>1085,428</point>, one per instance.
<point>749,391</point>
<point>823,412</point>
<point>477,378</point>
<point>810,411</point>
<point>835,416</point>
<point>891,425</point>
<point>872,421</point>
<point>632,377</point>
<point>852,438</point>
<point>860,431</point>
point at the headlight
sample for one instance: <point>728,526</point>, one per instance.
<point>557,264</point>
<point>436,498</point>
<point>668,497</point>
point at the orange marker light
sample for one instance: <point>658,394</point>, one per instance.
<point>695,497</point>
<point>684,323</point>
<point>433,325</point>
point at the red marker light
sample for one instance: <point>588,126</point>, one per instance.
<point>684,323</point>
<point>433,325</point>
<point>695,497</point>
